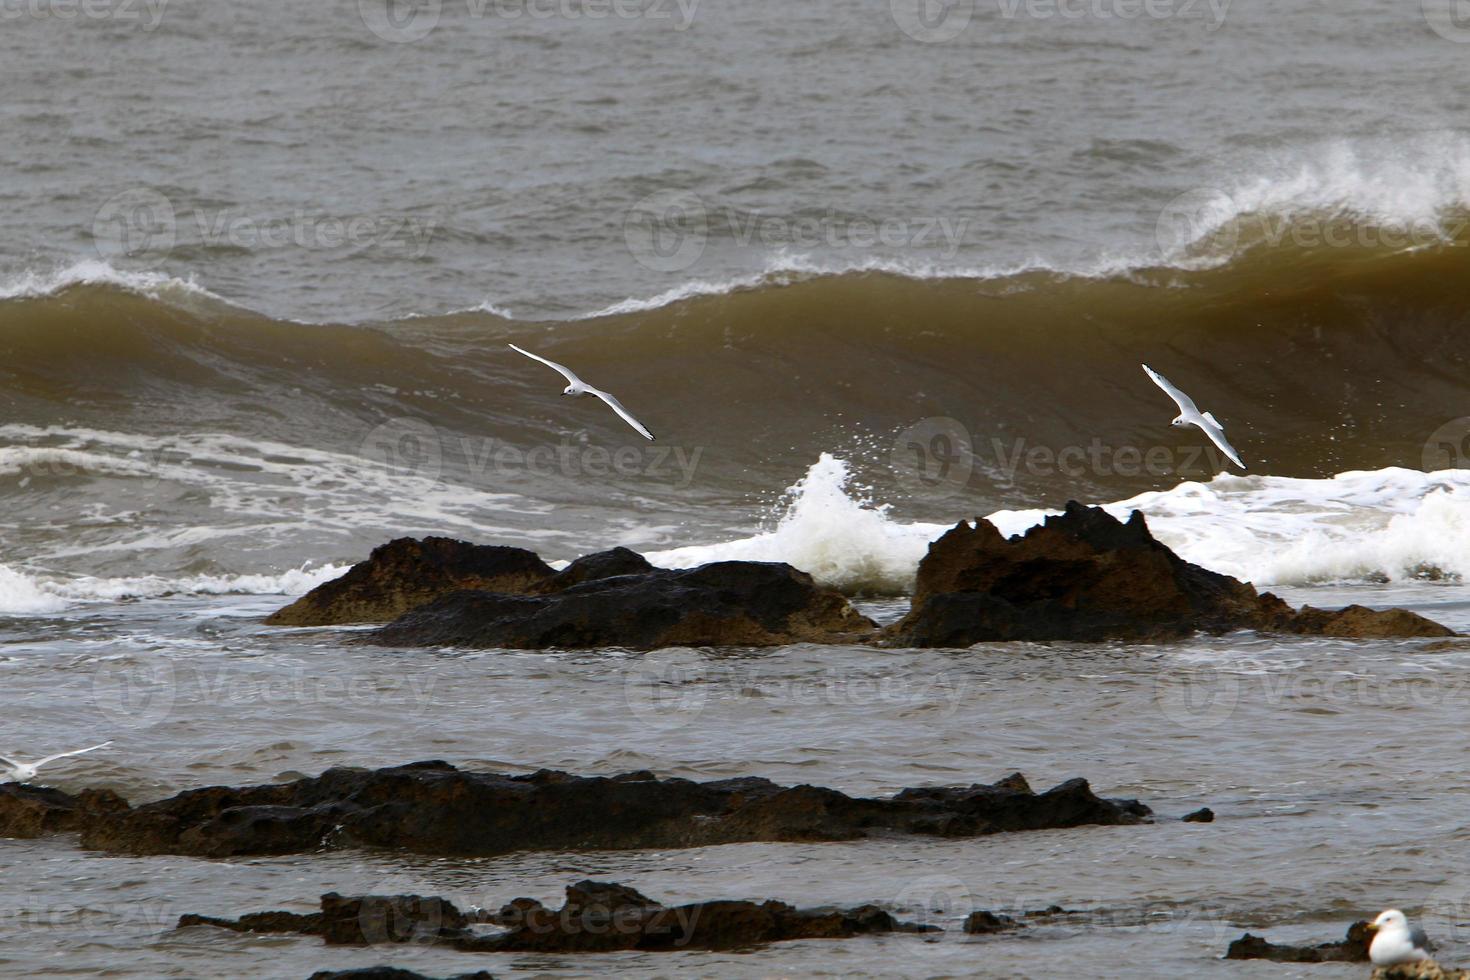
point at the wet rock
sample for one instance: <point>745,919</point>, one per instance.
<point>1360,622</point>
<point>406,573</point>
<point>730,603</point>
<point>1202,815</point>
<point>373,919</point>
<point>295,923</point>
<point>389,973</point>
<point>1423,970</point>
<point>434,808</point>
<point>1352,949</point>
<point>28,811</point>
<point>983,923</point>
<point>590,568</point>
<point>596,917</point>
<point>1086,576</point>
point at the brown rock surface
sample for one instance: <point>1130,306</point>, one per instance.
<point>1086,576</point>
<point>406,573</point>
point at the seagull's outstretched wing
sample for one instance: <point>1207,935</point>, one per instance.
<point>11,762</point>
<point>566,373</point>
<point>1185,403</point>
<point>62,755</point>
<point>1211,428</point>
<point>623,413</point>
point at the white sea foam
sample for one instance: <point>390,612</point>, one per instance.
<point>96,272</point>
<point>30,594</point>
<point>1394,524</point>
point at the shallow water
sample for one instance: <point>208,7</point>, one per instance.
<point>260,267</point>
<point>1321,758</point>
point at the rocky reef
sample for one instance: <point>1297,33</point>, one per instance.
<point>596,917</point>
<point>1353,948</point>
<point>732,603</point>
<point>434,808</point>
<point>1086,576</point>
<point>1081,576</point>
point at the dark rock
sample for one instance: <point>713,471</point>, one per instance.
<point>373,919</point>
<point>1353,949</point>
<point>597,917</point>
<point>433,808</point>
<point>731,603</point>
<point>389,973</point>
<point>406,573</point>
<point>1086,576</point>
<point>1202,815</point>
<point>38,811</point>
<point>590,568</point>
<point>292,923</point>
<point>982,923</point>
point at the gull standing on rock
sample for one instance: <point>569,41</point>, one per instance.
<point>1190,415</point>
<point>24,772</point>
<point>1394,942</point>
<point>578,387</point>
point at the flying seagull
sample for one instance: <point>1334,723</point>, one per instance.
<point>1394,942</point>
<point>578,387</point>
<point>1190,415</point>
<point>24,772</point>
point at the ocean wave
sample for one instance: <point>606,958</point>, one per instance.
<point>25,593</point>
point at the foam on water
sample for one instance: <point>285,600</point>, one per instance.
<point>842,539</point>
<point>97,272</point>
<point>1395,524</point>
<point>26,594</point>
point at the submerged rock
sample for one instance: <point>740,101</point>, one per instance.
<point>1203,815</point>
<point>1351,949</point>
<point>1423,970</point>
<point>389,973</point>
<point>434,808</point>
<point>596,917</point>
<point>406,573</point>
<point>733,603</point>
<point>1086,576</point>
<point>983,923</point>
